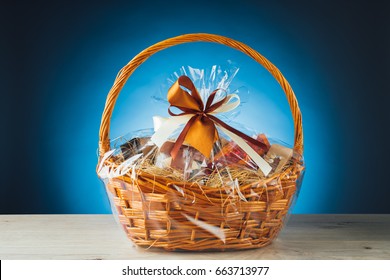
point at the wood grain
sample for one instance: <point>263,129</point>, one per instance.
<point>99,237</point>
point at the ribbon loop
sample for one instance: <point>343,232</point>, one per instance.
<point>182,99</point>
<point>200,123</point>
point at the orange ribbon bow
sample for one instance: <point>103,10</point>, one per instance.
<point>200,131</point>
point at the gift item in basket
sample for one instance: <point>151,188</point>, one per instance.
<point>233,153</point>
<point>186,155</point>
<point>137,145</point>
<point>196,182</point>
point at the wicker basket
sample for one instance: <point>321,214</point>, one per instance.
<point>156,212</point>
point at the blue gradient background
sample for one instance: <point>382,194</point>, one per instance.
<point>60,60</point>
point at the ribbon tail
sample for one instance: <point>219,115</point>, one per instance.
<point>202,135</point>
<point>167,128</point>
<point>261,163</point>
<point>238,133</point>
<point>182,136</point>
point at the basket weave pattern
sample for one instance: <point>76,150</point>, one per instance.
<point>157,212</point>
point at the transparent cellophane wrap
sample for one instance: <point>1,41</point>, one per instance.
<point>194,202</point>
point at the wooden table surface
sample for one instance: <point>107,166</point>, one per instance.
<point>99,237</point>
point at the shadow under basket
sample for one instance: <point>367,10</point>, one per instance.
<point>158,212</point>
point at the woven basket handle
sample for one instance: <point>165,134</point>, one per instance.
<point>126,71</point>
